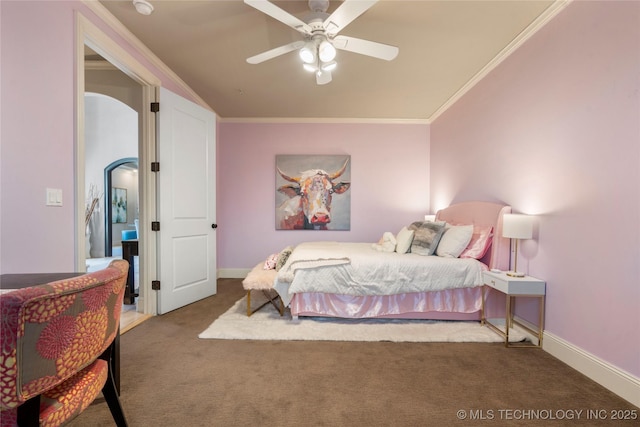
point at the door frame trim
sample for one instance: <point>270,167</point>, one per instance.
<point>87,33</point>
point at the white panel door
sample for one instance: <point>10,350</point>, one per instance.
<point>186,199</point>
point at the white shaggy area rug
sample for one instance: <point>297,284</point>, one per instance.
<point>266,324</point>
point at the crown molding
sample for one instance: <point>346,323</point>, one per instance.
<point>520,39</point>
<point>117,26</point>
<point>322,120</point>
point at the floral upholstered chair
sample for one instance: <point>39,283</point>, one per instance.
<point>57,347</point>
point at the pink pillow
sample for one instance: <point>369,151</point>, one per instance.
<point>270,263</point>
<point>480,242</point>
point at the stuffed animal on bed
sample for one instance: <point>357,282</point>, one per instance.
<point>387,243</point>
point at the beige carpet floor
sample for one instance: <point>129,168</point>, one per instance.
<point>170,377</point>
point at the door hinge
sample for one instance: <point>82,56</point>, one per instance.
<point>155,285</point>
<point>155,107</point>
<point>155,166</point>
<point>155,226</point>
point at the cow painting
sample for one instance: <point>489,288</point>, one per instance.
<point>309,196</point>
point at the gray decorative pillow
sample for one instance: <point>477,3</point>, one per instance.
<point>426,236</point>
<point>283,257</point>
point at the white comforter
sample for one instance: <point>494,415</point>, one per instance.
<point>358,269</point>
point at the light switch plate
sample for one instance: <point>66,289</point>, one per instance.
<point>54,197</point>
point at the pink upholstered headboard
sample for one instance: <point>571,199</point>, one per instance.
<point>483,214</point>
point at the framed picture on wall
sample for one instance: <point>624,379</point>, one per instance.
<point>312,192</point>
<point>118,205</point>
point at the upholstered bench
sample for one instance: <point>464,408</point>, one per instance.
<point>262,280</point>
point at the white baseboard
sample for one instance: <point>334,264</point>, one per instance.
<point>233,273</point>
<point>614,379</point>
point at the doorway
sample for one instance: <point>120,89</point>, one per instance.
<point>96,54</point>
<point>195,276</point>
<point>111,131</point>
<point>110,164</point>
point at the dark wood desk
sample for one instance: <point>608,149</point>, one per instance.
<point>20,281</point>
<point>129,250</point>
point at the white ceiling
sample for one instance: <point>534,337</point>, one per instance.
<point>444,46</point>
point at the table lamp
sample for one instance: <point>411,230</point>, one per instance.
<point>517,226</point>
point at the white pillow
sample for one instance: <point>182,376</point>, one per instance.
<point>403,240</point>
<point>454,240</point>
<point>387,243</point>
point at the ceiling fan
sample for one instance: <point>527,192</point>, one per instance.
<point>320,30</point>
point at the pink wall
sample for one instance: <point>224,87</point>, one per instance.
<point>38,131</point>
<point>389,174</point>
<point>37,136</point>
<point>554,131</point>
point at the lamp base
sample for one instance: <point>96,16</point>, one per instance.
<point>515,274</point>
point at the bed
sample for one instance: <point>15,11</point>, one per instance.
<point>365,280</point>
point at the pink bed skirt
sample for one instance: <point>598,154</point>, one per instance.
<point>451,304</point>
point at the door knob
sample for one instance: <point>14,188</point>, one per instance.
<point>214,226</point>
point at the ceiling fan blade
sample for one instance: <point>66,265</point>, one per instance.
<point>270,54</point>
<point>366,47</point>
<point>323,77</point>
<point>275,12</point>
<point>345,14</point>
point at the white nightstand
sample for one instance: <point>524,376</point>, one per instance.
<point>514,287</point>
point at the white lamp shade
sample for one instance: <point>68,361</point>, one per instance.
<point>517,226</point>
<point>326,51</point>
<point>310,67</point>
<point>307,53</point>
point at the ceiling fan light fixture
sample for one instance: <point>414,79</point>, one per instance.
<point>143,7</point>
<point>317,50</point>
<point>308,53</point>
<point>326,51</point>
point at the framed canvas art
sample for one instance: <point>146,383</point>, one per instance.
<point>118,205</point>
<point>312,192</point>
